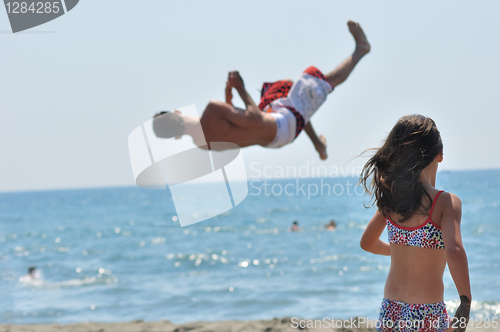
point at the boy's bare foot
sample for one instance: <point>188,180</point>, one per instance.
<point>362,45</point>
<point>321,148</point>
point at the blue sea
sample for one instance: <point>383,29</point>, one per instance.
<point>117,254</point>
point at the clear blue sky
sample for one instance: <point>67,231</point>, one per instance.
<point>73,89</point>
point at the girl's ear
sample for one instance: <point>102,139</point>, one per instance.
<point>439,157</point>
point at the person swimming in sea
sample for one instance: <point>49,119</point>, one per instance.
<point>331,226</point>
<point>295,227</point>
<point>33,275</point>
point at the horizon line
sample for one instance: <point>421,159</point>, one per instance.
<point>261,178</point>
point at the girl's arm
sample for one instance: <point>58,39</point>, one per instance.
<point>370,240</point>
<point>456,256</point>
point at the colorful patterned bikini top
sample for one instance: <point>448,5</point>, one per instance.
<point>427,235</point>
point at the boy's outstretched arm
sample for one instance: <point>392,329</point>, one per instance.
<point>234,80</point>
<point>318,142</point>
<point>456,258</point>
<point>370,240</point>
<point>229,94</point>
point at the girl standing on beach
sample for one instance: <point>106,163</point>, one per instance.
<point>423,224</point>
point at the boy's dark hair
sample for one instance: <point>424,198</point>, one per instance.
<point>168,124</point>
<point>411,146</point>
<point>31,269</point>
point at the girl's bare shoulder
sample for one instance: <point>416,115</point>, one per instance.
<point>450,200</point>
<point>448,204</point>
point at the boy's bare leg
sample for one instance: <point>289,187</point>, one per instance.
<point>340,74</point>
<point>319,142</point>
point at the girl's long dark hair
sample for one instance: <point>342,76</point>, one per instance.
<point>395,169</point>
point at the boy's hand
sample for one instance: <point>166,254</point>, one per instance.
<point>321,147</point>
<point>463,311</point>
<point>229,94</point>
<point>235,80</point>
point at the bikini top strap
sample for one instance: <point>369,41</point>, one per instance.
<point>434,202</point>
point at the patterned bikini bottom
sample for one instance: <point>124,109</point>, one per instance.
<point>408,317</point>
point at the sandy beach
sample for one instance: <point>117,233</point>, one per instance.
<point>272,325</point>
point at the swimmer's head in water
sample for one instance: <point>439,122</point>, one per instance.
<point>168,124</point>
<point>295,223</point>
<point>31,269</point>
<point>392,175</point>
